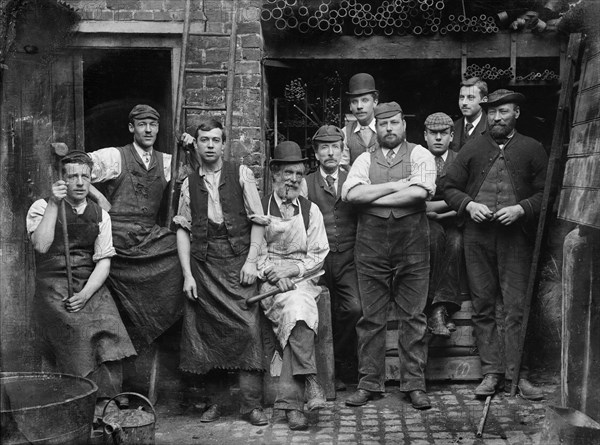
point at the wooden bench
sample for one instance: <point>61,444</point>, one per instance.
<point>323,346</point>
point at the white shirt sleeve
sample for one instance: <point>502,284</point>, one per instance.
<point>317,244</point>
<point>107,164</point>
<point>35,215</point>
<point>167,166</point>
<point>423,170</point>
<point>358,175</point>
<point>252,202</point>
<point>103,247</point>
<point>184,212</point>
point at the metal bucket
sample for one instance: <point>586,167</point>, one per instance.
<point>129,426</point>
<point>46,408</point>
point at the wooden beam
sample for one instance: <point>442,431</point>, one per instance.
<point>412,47</point>
<point>141,27</point>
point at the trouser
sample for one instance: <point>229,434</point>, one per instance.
<point>498,262</point>
<point>250,390</point>
<point>108,377</point>
<point>392,261</point>
<point>298,361</point>
<point>342,282</point>
<point>447,265</point>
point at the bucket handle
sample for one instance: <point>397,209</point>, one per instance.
<point>131,394</point>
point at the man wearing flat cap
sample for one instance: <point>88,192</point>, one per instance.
<point>473,122</point>
<point>81,333</point>
<point>392,185</point>
<point>324,189</point>
<point>496,184</point>
<point>360,135</point>
<point>295,246</point>
<point>145,275</point>
<point>447,260</point>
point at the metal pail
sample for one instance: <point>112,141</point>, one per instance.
<point>46,408</point>
<point>129,426</point>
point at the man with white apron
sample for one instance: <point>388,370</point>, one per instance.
<point>295,246</point>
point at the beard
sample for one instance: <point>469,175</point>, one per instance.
<point>389,141</point>
<point>500,131</point>
<point>287,192</point>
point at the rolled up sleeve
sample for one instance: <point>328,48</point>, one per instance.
<point>103,246</point>
<point>252,203</point>
<point>184,213</point>
<point>423,170</point>
<point>358,175</point>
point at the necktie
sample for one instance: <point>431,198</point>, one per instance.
<point>146,159</point>
<point>468,128</point>
<point>330,181</point>
<point>439,165</point>
<point>365,134</point>
<point>390,156</point>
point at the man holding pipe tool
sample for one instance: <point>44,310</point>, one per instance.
<point>78,321</point>
<point>295,246</point>
<point>324,188</point>
<point>221,227</point>
<point>392,255</point>
<point>145,275</point>
<point>496,184</point>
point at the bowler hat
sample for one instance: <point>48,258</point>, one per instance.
<point>287,152</point>
<point>387,109</point>
<point>361,83</point>
<point>143,111</point>
<point>328,133</point>
<point>500,97</point>
<point>438,122</point>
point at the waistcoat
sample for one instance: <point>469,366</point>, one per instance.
<point>381,172</point>
<point>235,218</point>
<point>497,191</point>
<point>355,143</point>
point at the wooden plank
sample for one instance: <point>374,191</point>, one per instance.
<point>588,107</point>
<point>141,27</point>
<point>580,206</point>
<point>440,368</point>
<point>583,172</point>
<point>585,139</point>
<point>411,47</point>
<point>463,336</point>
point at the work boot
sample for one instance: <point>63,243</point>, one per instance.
<point>296,420</point>
<point>314,393</point>
<point>256,417</point>
<point>360,397</point>
<point>489,385</point>
<point>211,414</point>
<point>438,320</point>
<point>526,390</point>
<point>419,399</point>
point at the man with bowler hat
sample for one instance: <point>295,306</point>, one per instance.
<point>324,189</point>
<point>447,259</point>
<point>473,92</point>
<point>360,136</point>
<point>145,275</point>
<point>295,246</point>
<point>392,254</point>
<point>496,184</point>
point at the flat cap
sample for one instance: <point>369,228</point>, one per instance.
<point>287,152</point>
<point>77,157</point>
<point>361,83</point>
<point>438,121</point>
<point>143,111</point>
<point>500,97</point>
<point>387,109</point>
<point>328,133</point>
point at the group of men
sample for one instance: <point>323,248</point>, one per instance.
<point>389,221</point>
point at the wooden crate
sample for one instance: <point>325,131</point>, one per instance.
<point>454,358</point>
<point>323,351</point>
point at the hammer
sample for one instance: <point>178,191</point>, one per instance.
<point>60,149</point>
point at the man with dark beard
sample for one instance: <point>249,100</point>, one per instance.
<point>392,254</point>
<point>496,183</point>
<point>295,246</point>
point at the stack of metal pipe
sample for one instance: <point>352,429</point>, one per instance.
<point>537,76</point>
<point>488,72</point>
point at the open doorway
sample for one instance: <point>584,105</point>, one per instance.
<point>114,81</point>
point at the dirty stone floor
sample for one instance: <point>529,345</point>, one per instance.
<point>453,419</point>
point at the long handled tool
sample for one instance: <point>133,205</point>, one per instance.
<point>264,295</point>
<point>486,409</point>
<point>60,149</point>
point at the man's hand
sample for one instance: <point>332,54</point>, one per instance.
<point>432,215</point>
<point>77,301</point>
<point>187,139</point>
<point>285,284</point>
<point>509,215</point>
<point>479,212</point>
<point>248,274</point>
<point>59,191</point>
<point>276,273</point>
<point>189,287</point>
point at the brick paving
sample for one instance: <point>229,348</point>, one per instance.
<point>390,420</point>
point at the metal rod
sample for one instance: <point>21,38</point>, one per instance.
<point>264,295</point>
<point>486,409</point>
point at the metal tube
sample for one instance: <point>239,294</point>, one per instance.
<point>265,15</point>
<point>323,25</point>
<point>417,30</point>
<point>277,13</point>
<point>388,31</point>
<point>281,24</point>
<point>292,22</point>
<point>303,27</point>
<point>303,11</point>
<point>368,32</point>
<point>440,5</point>
<point>358,31</point>
<point>337,28</point>
<point>312,21</point>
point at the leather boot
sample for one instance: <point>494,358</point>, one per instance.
<point>419,399</point>
<point>489,385</point>
<point>438,320</point>
<point>526,390</point>
<point>297,421</point>
<point>314,393</point>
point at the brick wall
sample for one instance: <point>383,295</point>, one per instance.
<point>246,142</point>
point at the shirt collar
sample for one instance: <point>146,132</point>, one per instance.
<point>279,201</point>
<point>371,126</point>
<point>476,121</point>
<point>334,175</point>
<point>445,155</point>
<point>141,151</point>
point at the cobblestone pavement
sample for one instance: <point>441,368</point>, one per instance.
<point>390,420</point>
